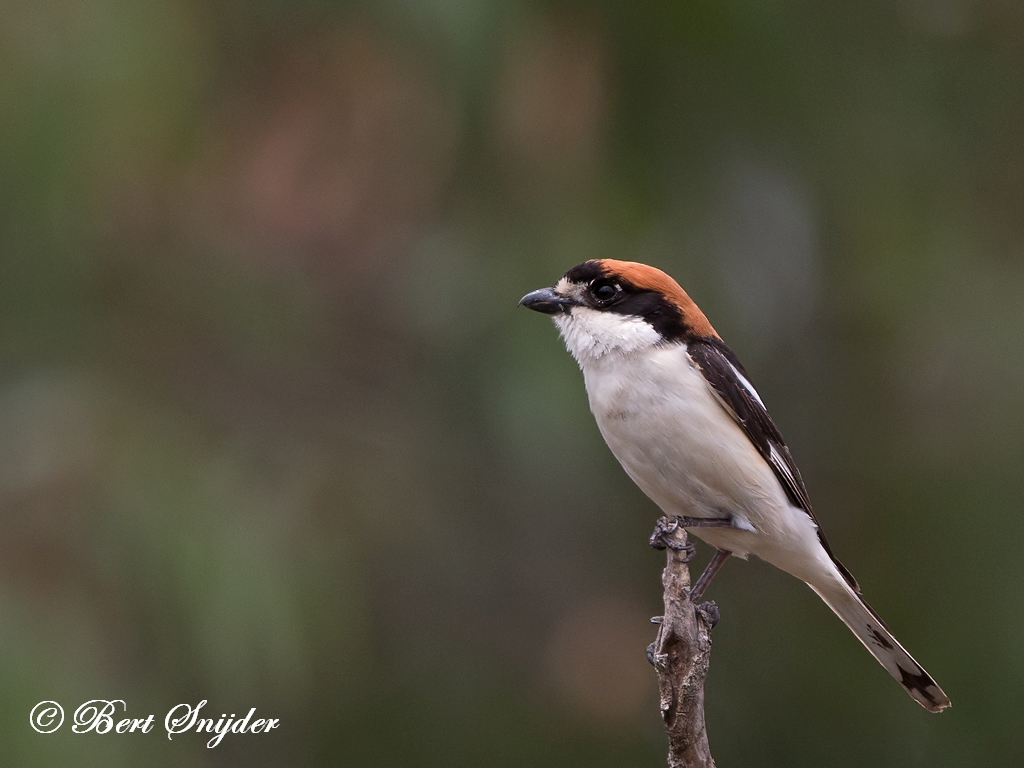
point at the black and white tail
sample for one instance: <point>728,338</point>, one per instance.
<point>871,630</point>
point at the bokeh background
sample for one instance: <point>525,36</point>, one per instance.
<point>274,434</point>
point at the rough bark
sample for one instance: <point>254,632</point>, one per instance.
<point>681,654</point>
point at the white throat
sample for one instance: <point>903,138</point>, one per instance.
<point>591,335</point>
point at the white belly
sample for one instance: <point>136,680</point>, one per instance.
<point>680,446</point>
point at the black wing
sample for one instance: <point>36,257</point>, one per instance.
<point>728,379</point>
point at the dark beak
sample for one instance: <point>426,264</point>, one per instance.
<point>547,301</point>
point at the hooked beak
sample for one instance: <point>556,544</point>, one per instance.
<point>547,301</point>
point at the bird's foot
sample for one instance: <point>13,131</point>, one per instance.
<point>654,658</point>
<point>709,612</point>
<point>664,538</point>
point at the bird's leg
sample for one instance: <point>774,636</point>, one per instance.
<point>705,522</point>
<point>721,555</point>
<point>666,526</point>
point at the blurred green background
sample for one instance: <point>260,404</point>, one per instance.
<point>273,433</point>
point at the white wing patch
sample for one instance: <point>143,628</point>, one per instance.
<point>746,385</point>
<point>780,465</point>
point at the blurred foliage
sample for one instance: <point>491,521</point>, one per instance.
<point>273,434</point>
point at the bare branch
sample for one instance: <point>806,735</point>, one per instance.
<point>681,653</point>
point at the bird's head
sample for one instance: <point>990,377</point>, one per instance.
<point>607,307</point>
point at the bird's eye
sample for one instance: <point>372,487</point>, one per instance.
<point>604,291</point>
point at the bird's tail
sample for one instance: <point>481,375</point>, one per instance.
<point>871,630</point>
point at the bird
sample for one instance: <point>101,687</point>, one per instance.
<point>679,412</point>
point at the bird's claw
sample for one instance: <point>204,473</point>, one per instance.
<point>664,538</point>
<point>654,658</point>
<point>710,613</point>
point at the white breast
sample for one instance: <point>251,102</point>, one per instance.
<point>679,445</point>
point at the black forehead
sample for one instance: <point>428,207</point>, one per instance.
<point>586,272</point>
